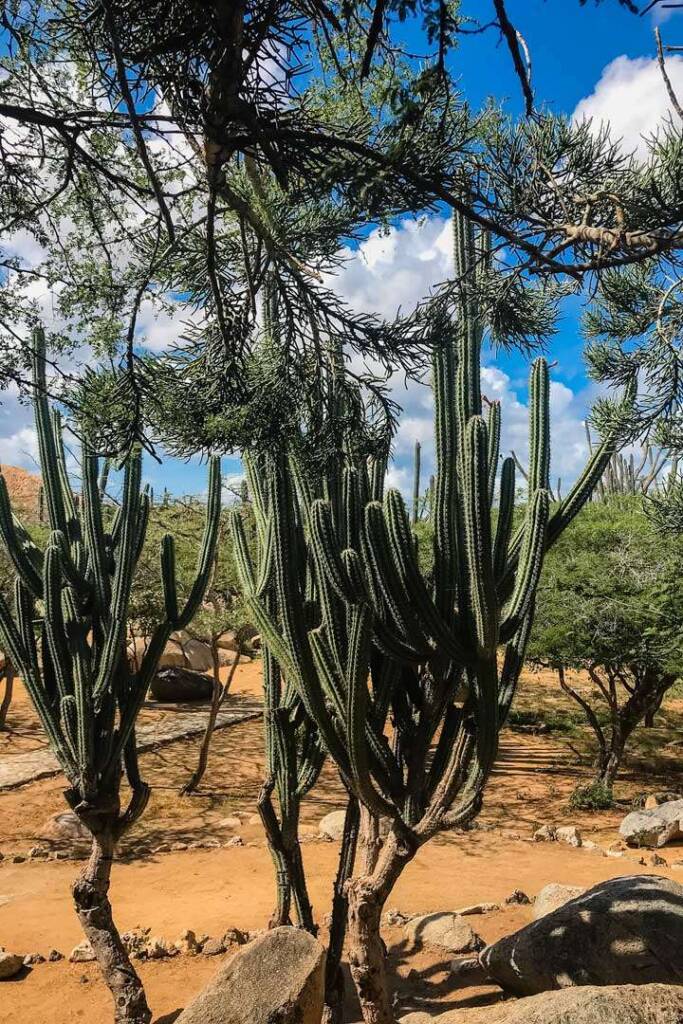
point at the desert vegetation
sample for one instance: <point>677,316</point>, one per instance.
<point>323,633</point>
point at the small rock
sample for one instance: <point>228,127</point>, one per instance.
<point>655,827</point>
<point>65,827</point>
<point>159,949</point>
<point>235,937</point>
<point>163,848</point>
<point>10,964</point>
<point>187,943</point>
<point>177,847</point>
<point>54,956</point>
<point>568,834</point>
<point>18,858</point>
<point>518,897</point>
<point>446,930</point>
<point>59,855</point>
<point>332,825</point>
<point>33,958</point>
<point>38,853</point>
<point>545,834</point>
<point>659,798</point>
<point>655,861</point>
<point>213,947</point>
<point>232,822</point>
<point>235,841</point>
<point>477,908</point>
<point>395,917</point>
<point>135,942</point>
<point>588,844</point>
<point>553,896</point>
<point>615,853</point>
<point>82,953</point>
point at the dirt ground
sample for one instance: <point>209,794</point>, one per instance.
<point>211,890</point>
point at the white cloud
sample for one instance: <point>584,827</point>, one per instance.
<point>632,98</point>
<point>20,449</point>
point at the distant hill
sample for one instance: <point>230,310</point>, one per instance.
<point>24,490</point>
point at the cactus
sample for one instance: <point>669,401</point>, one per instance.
<point>367,642</point>
<point>66,636</point>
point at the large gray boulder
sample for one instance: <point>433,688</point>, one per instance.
<point>614,1004</point>
<point>655,827</point>
<point>279,978</point>
<point>626,931</point>
<point>553,896</point>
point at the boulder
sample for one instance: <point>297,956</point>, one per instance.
<point>517,896</point>
<point>177,685</point>
<point>332,825</point>
<point>10,964</point>
<point>181,651</point>
<point>279,977</point>
<point>553,896</point>
<point>659,798</point>
<point>477,908</point>
<point>446,930</point>
<point>228,641</point>
<point>612,1004</point>
<point>655,827</point>
<point>66,831</point>
<point>626,930</point>
<point>568,834</point>
<point>545,834</point>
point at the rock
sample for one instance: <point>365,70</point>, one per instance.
<point>588,844</point>
<point>394,916</point>
<point>653,828</point>
<point>592,1004</point>
<point>545,834</point>
<point>178,847</point>
<point>234,937</point>
<point>332,825</point>
<point>568,834</point>
<point>655,861</point>
<point>65,828</point>
<point>82,953</point>
<point>232,822</point>
<point>33,958</point>
<point>54,956</point>
<point>213,947</point>
<point>38,853</point>
<point>228,641</point>
<point>477,908</point>
<point>196,654</point>
<point>187,943</point>
<point>659,798</point>
<point>518,897</point>
<point>553,896</point>
<point>446,930</point>
<point>256,642</point>
<point>159,948</point>
<point>280,977</point>
<point>178,685</point>
<point>626,930</point>
<point>235,841</point>
<point>10,964</point>
<point>18,858</point>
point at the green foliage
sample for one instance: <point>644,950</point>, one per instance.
<point>594,796</point>
<point>610,594</point>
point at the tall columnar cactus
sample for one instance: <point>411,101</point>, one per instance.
<point>409,677</point>
<point>66,635</point>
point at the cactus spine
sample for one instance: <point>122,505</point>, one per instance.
<point>67,638</point>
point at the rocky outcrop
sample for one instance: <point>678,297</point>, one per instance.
<point>446,930</point>
<point>614,1004</point>
<point>278,978</point>
<point>655,827</point>
<point>178,685</point>
<point>553,896</point>
<point>626,930</point>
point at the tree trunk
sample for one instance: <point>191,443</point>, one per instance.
<point>334,978</point>
<point>90,893</point>
<point>609,765</point>
<point>7,697</point>
<point>367,895</point>
<point>370,840</point>
<point>217,697</point>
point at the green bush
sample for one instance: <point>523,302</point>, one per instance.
<point>594,796</point>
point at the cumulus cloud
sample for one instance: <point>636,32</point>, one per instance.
<point>632,98</point>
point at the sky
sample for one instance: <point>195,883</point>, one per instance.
<point>590,61</point>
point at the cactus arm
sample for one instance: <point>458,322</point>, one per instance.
<point>49,462</point>
<point>506,511</point>
<point>416,482</point>
<point>482,591</point>
<point>493,426</point>
<point>357,713</point>
<point>326,551</point>
<point>54,620</point>
<point>530,563</point>
<point>169,582</point>
<point>539,427</point>
<point>94,530</point>
<point>25,556</point>
<point>207,551</point>
<point>445,485</point>
<point>85,718</point>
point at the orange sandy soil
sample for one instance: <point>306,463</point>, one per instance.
<point>213,890</point>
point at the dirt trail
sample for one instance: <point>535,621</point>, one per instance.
<point>212,890</point>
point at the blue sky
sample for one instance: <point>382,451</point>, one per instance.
<point>587,61</point>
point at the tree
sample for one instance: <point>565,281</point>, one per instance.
<point>609,604</point>
<point>401,673</point>
<point>66,635</point>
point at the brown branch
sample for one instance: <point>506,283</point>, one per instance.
<point>515,44</point>
<point>667,81</point>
